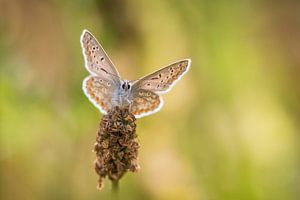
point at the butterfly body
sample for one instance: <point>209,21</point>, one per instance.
<point>105,88</point>
<point>122,95</point>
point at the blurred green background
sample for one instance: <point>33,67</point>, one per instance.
<point>228,130</point>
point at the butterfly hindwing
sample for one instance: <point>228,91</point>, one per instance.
<point>99,92</point>
<point>145,103</point>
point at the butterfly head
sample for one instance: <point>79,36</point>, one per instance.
<point>125,86</point>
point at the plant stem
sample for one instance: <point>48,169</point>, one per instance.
<point>115,189</point>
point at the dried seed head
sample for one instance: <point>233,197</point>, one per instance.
<point>116,145</point>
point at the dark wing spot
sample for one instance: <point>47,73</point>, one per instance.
<point>102,59</point>
<point>104,70</point>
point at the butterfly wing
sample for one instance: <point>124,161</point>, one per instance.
<point>99,92</point>
<point>104,78</point>
<point>145,103</point>
<point>96,60</point>
<point>162,80</point>
<point>145,91</point>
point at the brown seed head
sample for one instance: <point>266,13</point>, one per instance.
<point>116,145</point>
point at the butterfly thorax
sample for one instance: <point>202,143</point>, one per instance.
<point>122,96</point>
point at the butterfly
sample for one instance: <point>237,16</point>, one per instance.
<point>105,89</point>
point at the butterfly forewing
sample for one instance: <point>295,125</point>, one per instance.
<point>162,80</point>
<point>96,60</point>
<point>145,103</point>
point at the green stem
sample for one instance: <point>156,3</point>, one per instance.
<point>115,189</point>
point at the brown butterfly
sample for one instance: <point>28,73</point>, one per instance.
<point>105,89</point>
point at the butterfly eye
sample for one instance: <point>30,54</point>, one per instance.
<point>123,86</point>
<point>128,86</point>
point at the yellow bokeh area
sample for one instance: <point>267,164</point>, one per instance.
<point>229,129</point>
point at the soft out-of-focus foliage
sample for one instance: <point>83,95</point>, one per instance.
<point>229,129</point>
